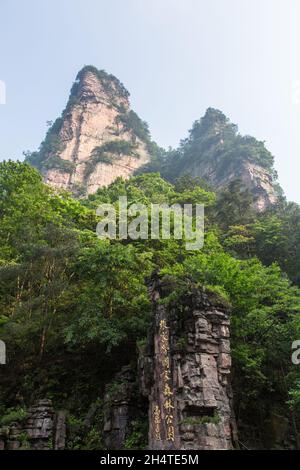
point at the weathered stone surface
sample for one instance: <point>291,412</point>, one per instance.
<point>197,385</point>
<point>121,407</point>
<point>13,445</point>
<point>42,428</point>
<point>256,178</point>
<point>39,425</point>
<point>93,120</point>
<point>60,432</point>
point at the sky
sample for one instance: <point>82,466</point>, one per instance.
<point>176,57</point>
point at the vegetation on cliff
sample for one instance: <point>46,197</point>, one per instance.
<point>72,302</point>
<point>49,150</point>
<point>216,150</point>
<point>127,127</point>
<point>111,84</point>
<point>109,153</point>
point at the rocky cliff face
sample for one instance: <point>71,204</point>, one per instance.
<point>123,407</point>
<point>217,153</point>
<point>97,139</point>
<point>185,373</point>
<point>176,396</point>
<point>252,176</point>
<point>43,429</point>
<point>184,377</point>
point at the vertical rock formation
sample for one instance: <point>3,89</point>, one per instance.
<point>43,429</point>
<point>122,406</point>
<point>217,153</point>
<point>60,431</point>
<point>185,373</point>
<point>40,424</point>
<point>97,139</point>
<point>252,176</point>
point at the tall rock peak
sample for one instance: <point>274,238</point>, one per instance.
<point>97,85</point>
<point>216,152</point>
<point>97,138</point>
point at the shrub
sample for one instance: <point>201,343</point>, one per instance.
<point>13,415</point>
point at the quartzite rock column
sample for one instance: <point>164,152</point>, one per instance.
<point>185,371</point>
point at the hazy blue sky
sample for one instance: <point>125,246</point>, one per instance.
<point>176,57</point>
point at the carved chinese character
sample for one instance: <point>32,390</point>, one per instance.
<point>166,375</point>
<point>167,391</point>
<point>165,345</point>
<point>170,433</point>
<point>168,405</point>
<point>169,419</point>
<point>157,422</point>
<point>166,362</point>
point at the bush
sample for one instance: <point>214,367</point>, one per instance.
<point>107,152</point>
<point>55,162</point>
<point>13,415</point>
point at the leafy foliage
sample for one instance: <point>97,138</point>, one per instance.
<point>215,150</point>
<point>110,82</point>
<point>13,415</point>
<point>108,152</point>
<point>71,301</point>
<point>214,137</point>
<point>50,147</point>
<point>132,122</point>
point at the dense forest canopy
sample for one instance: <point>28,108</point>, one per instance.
<point>70,301</point>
